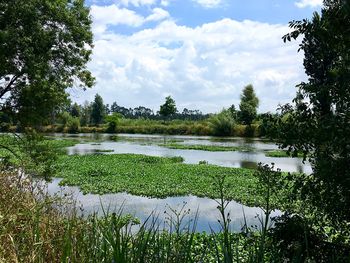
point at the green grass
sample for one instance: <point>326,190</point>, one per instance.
<point>281,154</point>
<point>211,148</point>
<point>15,143</point>
<point>154,177</point>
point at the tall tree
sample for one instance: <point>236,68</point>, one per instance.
<point>168,108</point>
<point>85,118</point>
<point>318,123</point>
<point>75,110</point>
<point>248,106</point>
<point>98,110</point>
<point>44,48</point>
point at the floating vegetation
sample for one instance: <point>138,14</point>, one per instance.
<point>211,148</point>
<point>154,177</point>
<point>282,154</point>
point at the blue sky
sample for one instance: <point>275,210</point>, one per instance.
<point>201,52</point>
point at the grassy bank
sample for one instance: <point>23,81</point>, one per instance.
<point>145,126</point>
<point>155,177</point>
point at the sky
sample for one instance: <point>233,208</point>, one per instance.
<point>200,52</point>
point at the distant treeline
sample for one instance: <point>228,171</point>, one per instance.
<point>96,116</point>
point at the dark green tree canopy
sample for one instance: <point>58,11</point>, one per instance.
<point>75,110</point>
<point>318,123</point>
<point>168,108</point>
<point>248,106</point>
<point>98,110</point>
<point>44,48</point>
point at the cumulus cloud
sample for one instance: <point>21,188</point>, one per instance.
<point>103,16</point>
<point>113,15</point>
<point>309,3</point>
<point>158,14</point>
<point>208,3</point>
<point>204,67</point>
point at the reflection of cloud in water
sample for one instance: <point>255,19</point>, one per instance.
<point>142,207</point>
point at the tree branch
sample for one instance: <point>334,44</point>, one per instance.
<point>8,87</point>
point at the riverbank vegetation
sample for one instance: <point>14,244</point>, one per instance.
<point>46,229</point>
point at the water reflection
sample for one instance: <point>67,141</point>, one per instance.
<point>149,145</point>
<point>142,207</point>
<point>248,165</point>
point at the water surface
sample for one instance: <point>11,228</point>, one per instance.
<point>142,207</point>
<point>149,145</point>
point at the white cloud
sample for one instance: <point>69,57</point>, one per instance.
<point>114,15</point>
<point>203,68</point>
<point>158,14</point>
<point>164,2</point>
<point>208,3</point>
<point>137,2</point>
<point>309,3</point>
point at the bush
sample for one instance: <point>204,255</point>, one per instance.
<point>73,125</point>
<point>222,124</point>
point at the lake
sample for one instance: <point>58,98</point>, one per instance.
<point>142,207</point>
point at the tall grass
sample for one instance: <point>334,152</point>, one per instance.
<point>39,228</point>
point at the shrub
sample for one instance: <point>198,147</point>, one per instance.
<point>73,125</point>
<point>222,124</point>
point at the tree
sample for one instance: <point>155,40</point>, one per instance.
<point>248,106</point>
<point>75,110</point>
<point>113,121</point>
<point>233,111</point>
<point>222,123</point>
<point>108,110</point>
<point>85,118</point>
<point>44,49</point>
<point>142,112</point>
<point>98,110</point>
<point>168,108</point>
<point>318,124</point>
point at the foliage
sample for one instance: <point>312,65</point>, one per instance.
<point>85,114</point>
<point>233,111</point>
<point>168,108</point>
<point>282,154</point>
<point>75,110</point>
<point>248,106</point>
<point>74,125</point>
<point>153,176</point>
<point>98,111</point>
<point>112,121</point>
<point>45,229</point>
<point>64,118</point>
<point>44,48</point>
<point>33,153</point>
<point>222,123</point>
<point>318,123</point>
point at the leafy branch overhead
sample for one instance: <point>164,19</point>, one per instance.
<point>44,48</point>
